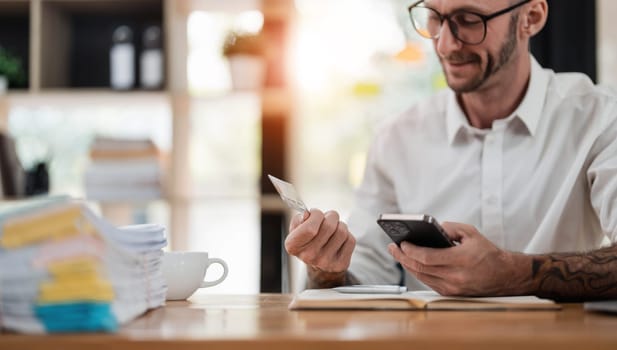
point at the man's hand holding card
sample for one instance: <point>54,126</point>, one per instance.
<point>318,239</point>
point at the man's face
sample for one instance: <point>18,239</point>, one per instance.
<point>468,67</point>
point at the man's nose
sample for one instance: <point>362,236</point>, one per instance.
<point>447,42</point>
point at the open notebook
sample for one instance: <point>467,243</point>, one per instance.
<point>420,300</point>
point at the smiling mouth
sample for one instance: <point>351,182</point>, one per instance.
<point>458,60</point>
<point>454,63</point>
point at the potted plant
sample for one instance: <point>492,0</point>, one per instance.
<point>245,52</point>
<point>11,70</point>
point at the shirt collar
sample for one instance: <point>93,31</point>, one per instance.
<point>455,118</point>
<point>529,110</point>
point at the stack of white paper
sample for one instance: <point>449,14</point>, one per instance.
<point>63,269</point>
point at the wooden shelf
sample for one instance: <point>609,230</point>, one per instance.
<point>272,203</point>
<point>113,7</point>
<point>76,36</point>
<point>61,97</point>
<point>275,100</point>
<point>11,7</point>
<point>235,6</point>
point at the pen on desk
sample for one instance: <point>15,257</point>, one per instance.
<point>371,289</point>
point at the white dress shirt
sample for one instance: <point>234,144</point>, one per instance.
<point>542,180</point>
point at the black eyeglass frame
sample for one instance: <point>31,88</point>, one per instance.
<point>453,26</point>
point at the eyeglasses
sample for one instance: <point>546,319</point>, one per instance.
<point>467,26</point>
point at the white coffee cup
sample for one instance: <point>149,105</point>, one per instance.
<point>184,273</point>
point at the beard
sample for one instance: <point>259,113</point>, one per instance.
<point>493,64</point>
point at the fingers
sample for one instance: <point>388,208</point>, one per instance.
<point>402,255</point>
<point>438,284</point>
<point>337,240</point>
<point>321,241</point>
<point>303,233</point>
<point>329,226</point>
<point>458,232</point>
<point>343,255</point>
<point>347,249</point>
<point>427,256</point>
<point>298,219</point>
<point>336,253</point>
<point>442,279</point>
<point>321,250</point>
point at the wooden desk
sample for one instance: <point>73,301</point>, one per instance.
<point>263,322</point>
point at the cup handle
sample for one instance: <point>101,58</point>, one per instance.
<point>220,279</point>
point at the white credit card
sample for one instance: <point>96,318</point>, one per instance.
<point>288,193</point>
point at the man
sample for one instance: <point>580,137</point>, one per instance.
<point>523,161</point>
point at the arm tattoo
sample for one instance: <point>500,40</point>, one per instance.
<point>576,277</point>
<point>320,279</point>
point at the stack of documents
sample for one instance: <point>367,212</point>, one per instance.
<point>123,169</point>
<point>64,269</point>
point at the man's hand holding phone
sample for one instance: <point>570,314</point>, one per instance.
<point>474,267</point>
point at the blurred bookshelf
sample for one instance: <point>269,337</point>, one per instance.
<point>64,47</point>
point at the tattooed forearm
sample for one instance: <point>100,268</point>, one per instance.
<point>319,279</point>
<point>576,277</point>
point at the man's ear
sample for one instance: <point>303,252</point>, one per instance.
<point>534,17</point>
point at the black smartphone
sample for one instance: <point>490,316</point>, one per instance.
<point>421,230</point>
